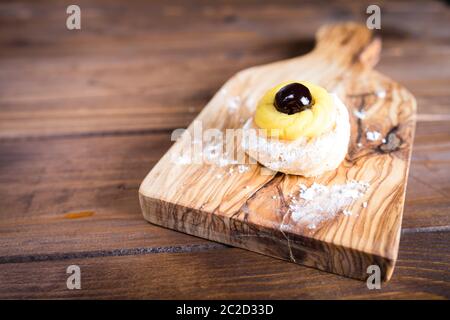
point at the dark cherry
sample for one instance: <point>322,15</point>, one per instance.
<point>293,98</point>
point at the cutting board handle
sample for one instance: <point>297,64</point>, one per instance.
<point>352,42</point>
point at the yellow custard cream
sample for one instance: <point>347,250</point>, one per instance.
<point>312,122</point>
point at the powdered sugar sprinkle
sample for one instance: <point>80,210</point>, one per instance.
<point>319,202</point>
<point>243,168</point>
<point>233,103</point>
<point>373,135</point>
<point>359,114</point>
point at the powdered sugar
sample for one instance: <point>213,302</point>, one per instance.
<point>233,103</point>
<point>359,114</point>
<point>347,212</point>
<point>250,103</point>
<point>381,94</point>
<point>373,135</point>
<point>213,154</point>
<point>182,160</point>
<point>319,202</point>
<point>243,168</point>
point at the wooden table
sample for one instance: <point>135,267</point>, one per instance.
<point>85,114</point>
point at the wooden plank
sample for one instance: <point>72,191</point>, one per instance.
<point>108,235</point>
<point>141,74</point>
<point>428,191</point>
<point>54,176</point>
<point>422,273</point>
<point>43,180</point>
<point>169,20</point>
<point>47,185</point>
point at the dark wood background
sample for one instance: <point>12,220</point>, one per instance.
<point>84,115</point>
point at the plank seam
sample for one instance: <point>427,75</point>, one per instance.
<point>156,250</point>
<point>426,229</point>
<point>111,253</point>
<point>112,133</point>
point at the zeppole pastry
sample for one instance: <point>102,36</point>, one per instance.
<point>299,128</point>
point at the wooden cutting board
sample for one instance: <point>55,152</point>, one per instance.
<point>250,208</point>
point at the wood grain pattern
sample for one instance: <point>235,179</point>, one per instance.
<point>229,273</point>
<point>189,199</point>
<point>35,225</point>
<point>115,85</point>
<point>84,115</point>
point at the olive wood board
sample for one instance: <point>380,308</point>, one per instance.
<point>247,209</point>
